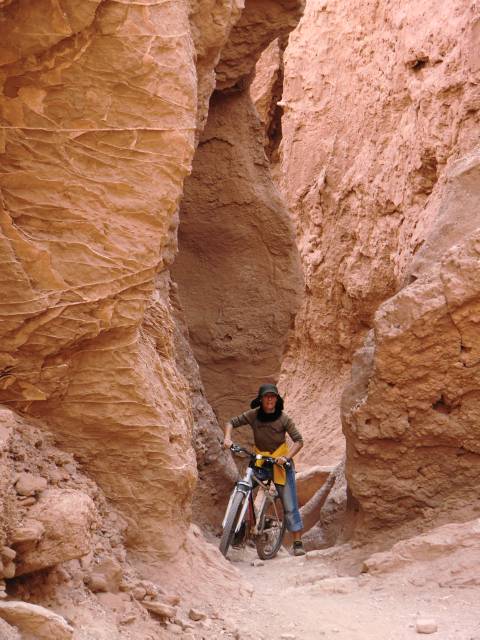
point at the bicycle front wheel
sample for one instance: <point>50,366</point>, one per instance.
<point>271,528</point>
<point>231,522</point>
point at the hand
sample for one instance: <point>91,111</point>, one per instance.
<point>281,460</point>
<point>227,443</point>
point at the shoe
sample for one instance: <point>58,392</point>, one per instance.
<point>298,549</point>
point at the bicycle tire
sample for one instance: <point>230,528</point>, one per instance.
<point>231,522</point>
<point>267,548</point>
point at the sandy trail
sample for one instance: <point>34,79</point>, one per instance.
<point>314,597</point>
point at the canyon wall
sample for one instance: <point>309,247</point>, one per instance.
<point>98,114</point>
<point>410,413</point>
<point>238,269</point>
<point>101,109</point>
<point>380,100</point>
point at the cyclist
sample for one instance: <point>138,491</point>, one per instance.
<point>270,424</point>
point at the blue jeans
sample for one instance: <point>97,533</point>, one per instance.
<point>288,495</point>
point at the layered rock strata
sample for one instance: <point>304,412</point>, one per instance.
<point>237,269</point>
<point>379,100</point>
<point>411,413</point>
<point>101,108</point>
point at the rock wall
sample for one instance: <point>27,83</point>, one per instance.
<point>98,115</point>
<point>238,270</point>
<point>100,112</point>
<point>63,554</point>
<point>379,100</point>
<point>411,412</point>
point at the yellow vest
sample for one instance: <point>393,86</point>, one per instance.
<point>279,473</point>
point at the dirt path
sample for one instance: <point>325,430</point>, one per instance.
<point>312,598</point>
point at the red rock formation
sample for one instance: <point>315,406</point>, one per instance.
<point>411,414</point>
<point>238,269</point>
<point>101,108</point>
<point>379,100</point>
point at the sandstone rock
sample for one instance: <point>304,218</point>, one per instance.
<point>7,632</point>
<point>73,349</point>
<point>30,531</point>
<point>184,624</point>
<point>8,553</point>
<point>196,615</point>
<point>160,608</point>
<point>27,502</point>
<point>260,22</point>
<point>309,481</point>
<point>447,556</point>
<point>426,625</point>
<point>216,469</point>
<point>246,345</point>
<point>411,427</point>
<point>97,583</point>
<point>364,190</point>
<point>9,570</point>
<point>139,593</point>
<point>36,621</point>
<point>7,495</point>
<point>108,572</point>
<point>28,484</point>
<point>68,518</point>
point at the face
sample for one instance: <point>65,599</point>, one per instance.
<point>268,402</point>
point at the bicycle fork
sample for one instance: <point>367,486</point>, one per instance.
<point>245,486</point>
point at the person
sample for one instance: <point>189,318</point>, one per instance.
<point>270,425</point>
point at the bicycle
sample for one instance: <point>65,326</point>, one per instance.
<point>262,519</point>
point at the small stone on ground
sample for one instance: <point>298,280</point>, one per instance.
<point>426,625</point>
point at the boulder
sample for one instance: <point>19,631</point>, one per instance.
<point>68,517</point>
<point>160,608</point>
<point>36,622</point>
<point>29,484</point>
<point>426,625</point>
<point>309,481</point>
<point>448,556</point>
<point>29,531</point>
<point>106,576</point>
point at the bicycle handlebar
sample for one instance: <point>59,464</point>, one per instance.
<point>235,448</point>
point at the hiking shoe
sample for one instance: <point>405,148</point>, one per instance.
<point>298,549</point>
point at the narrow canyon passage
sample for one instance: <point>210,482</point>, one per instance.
<point>198,196</point>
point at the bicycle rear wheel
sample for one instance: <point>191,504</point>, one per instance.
<point>271,528</point>
<point>231,522</point>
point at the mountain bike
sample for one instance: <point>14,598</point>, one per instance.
<point>260,519</point>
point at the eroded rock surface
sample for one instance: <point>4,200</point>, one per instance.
<point>67,519</point>
<point>100,112</point>
<point>237,269</point>
<point>379,101</point>
<point>447,556</point>
<point>411,415</point>
<point>36,622</point>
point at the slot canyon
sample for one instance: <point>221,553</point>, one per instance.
<point>200,196</point>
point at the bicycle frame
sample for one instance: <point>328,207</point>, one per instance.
<point>246,486</point>
<point>246,517</point>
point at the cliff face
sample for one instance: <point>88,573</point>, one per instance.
<point>410,413</point>
<point>99,121</point>
<point>101,108</point>
<point>379,101</point>
<point>238,269</point>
